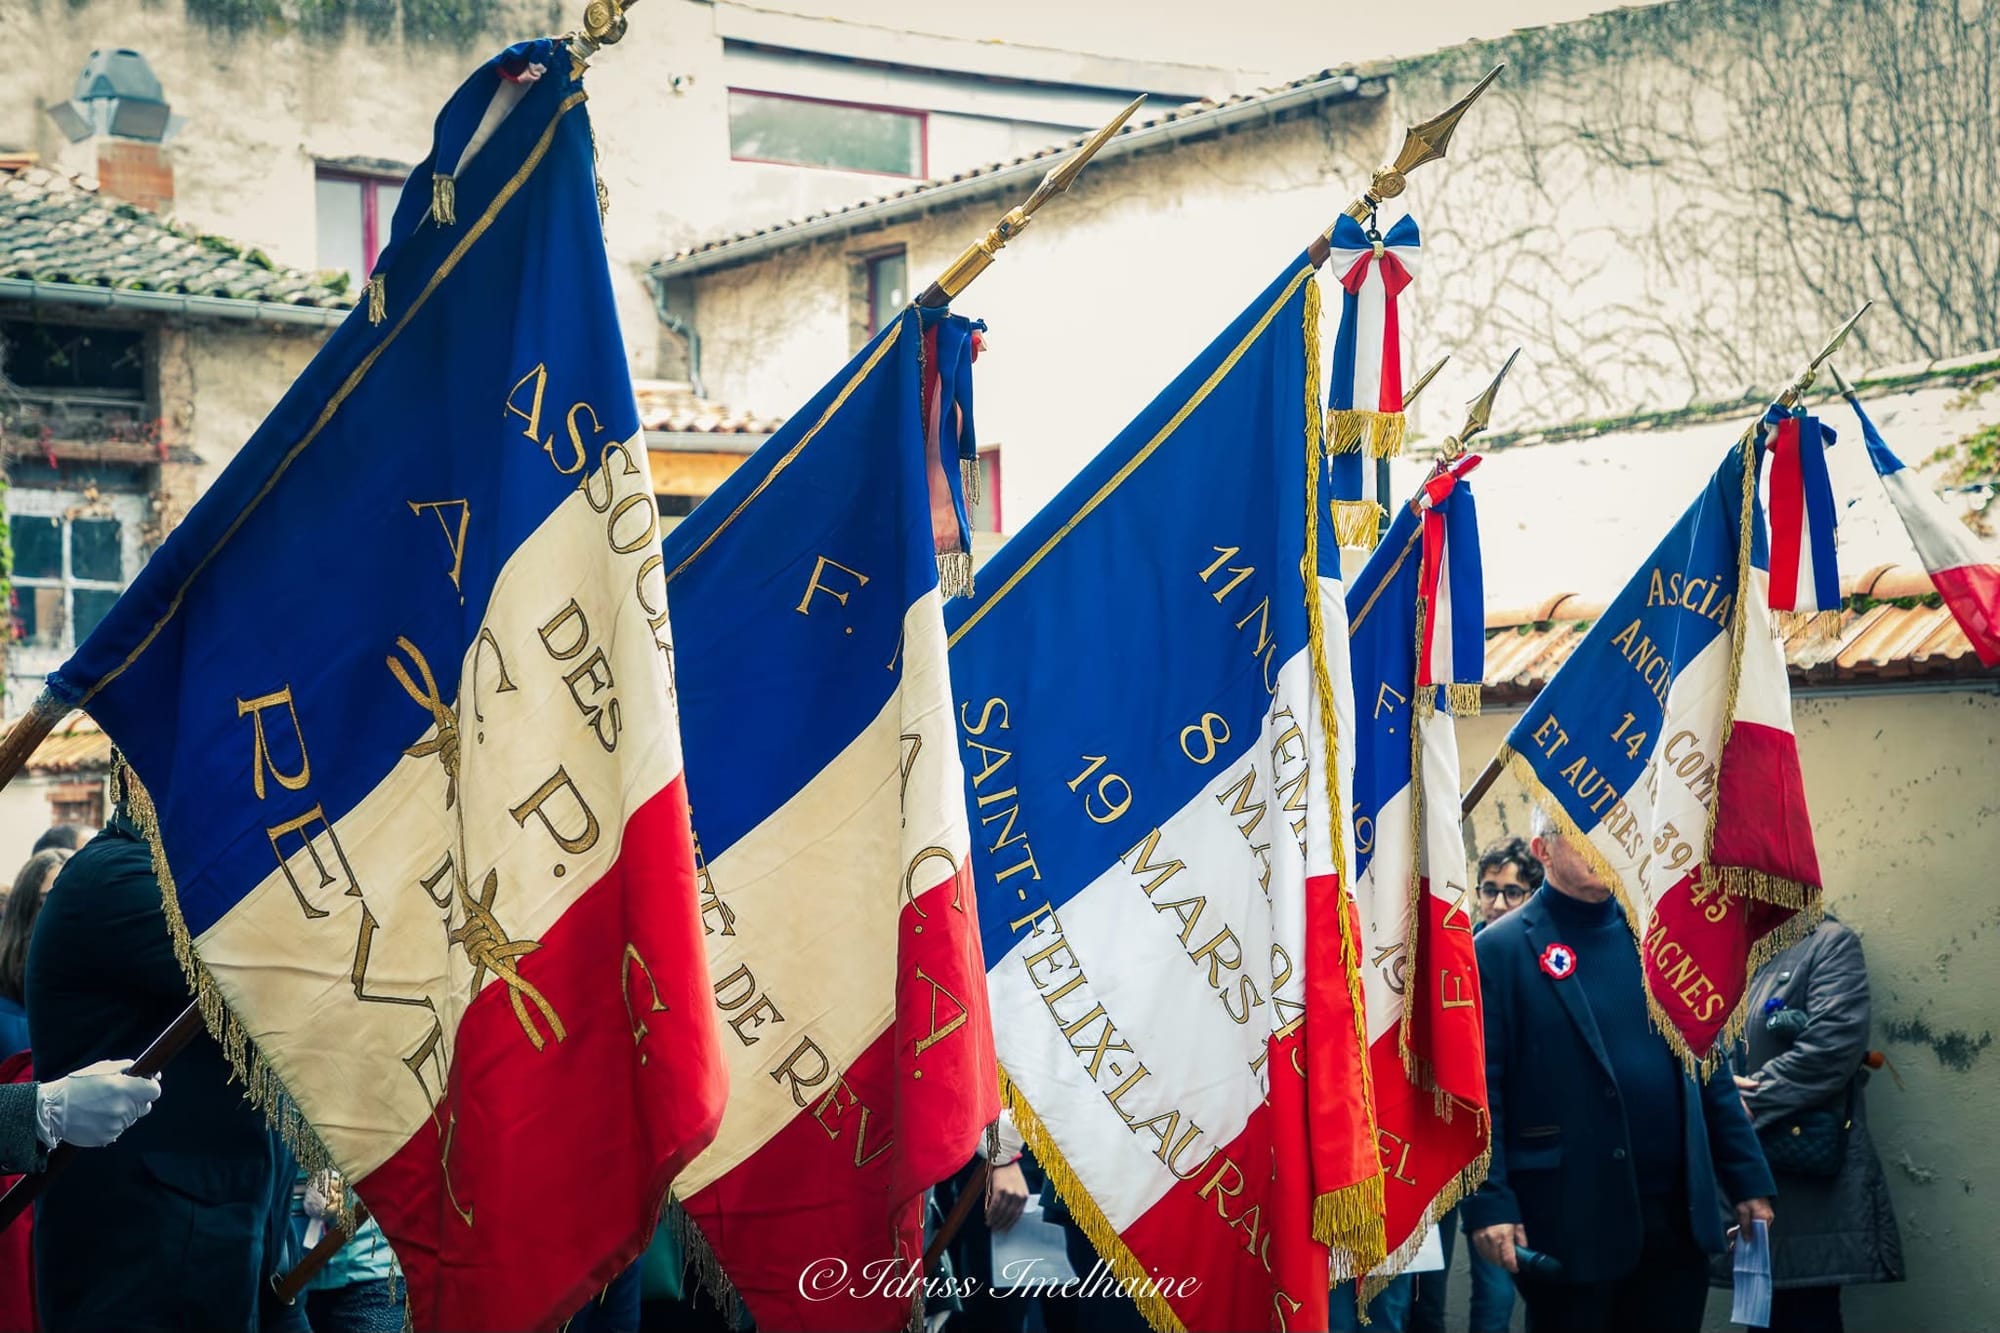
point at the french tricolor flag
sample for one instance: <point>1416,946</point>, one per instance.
<point>422,825</point>
<point>1417,631</point>
<point>836,882</point>
<point>1966,576</point>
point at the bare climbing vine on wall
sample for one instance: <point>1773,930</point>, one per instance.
<point>1675,204</point>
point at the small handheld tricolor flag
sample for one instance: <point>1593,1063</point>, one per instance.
<point>421,822</point>
<point>1965,572</point>
<point>1805,576</point>
<point>1365,385</point>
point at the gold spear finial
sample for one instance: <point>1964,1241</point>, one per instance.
<point>1797,388</point>
<point>1478,413</point>
<point>978,256</point>
<point>1423,380</point>
<point>1421,143</point>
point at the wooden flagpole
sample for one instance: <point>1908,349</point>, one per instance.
<point>1788,397</point>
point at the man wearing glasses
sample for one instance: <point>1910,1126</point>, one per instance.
<point>1508,873</point>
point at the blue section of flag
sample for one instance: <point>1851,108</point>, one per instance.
<point>1591,731</point>
<point>304,562</point>
<point>1822,516</point>
<point>776,673</point>
<point>1382,644</point>
<point>1097,639</point>
<point>1467,586</point>
<point>1879,453</point>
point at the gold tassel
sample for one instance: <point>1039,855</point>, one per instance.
<point>378,299</point>
<point>1810,627</point>
<point>1464,699</point>
<point>1357,524</point>
<point>968,472</point>
<point>1356,430</point>
<point>597,174</point>
<point>955,574</point>
<point>444,199</point>
<point>1423,701</point>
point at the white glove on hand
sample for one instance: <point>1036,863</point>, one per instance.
<point>93,1106</point>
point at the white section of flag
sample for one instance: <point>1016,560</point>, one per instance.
<point>814,896</point>
<point>341,1057</point>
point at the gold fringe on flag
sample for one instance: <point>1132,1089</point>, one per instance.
<point>968,472</point>
<point>1104,1238</point>
<point>444,199</point>
<point>1347,1220</point>
<point>699,1257</point>
<point>1736,880</point>
<point>1423,699</point>
<point>1357,524</point>
<point>378,299</point>
<point>1809,626</point>
<point>955,574</point>
<point>1463,698</point>
<point>1359,430</point>
<point>263,1087</point>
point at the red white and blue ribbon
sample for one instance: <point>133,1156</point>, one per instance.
<point>1365,391</point>
<point>1805,576</point>
<point>1965,571</point>
<point>1451,649</point>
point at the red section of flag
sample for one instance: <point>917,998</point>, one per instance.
<point>1972,592</point>
<point>1342,1150</point>
<point>822,1227</point>
<point>1788,515</point>
<point>542,1174</point>
<point>1231,1244</point>
<point>1761,821</point>
<point>1430,1142</point>
<point>1697,953</point>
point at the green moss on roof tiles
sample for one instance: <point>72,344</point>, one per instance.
<point>55,230</point>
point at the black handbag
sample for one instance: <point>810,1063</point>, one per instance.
<point>1812,1142</point>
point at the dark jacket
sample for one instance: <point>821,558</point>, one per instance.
<point>1841,1230</point>
<point>21,1152</point>
<point>1562,1155</point>
<point>170,1226</point>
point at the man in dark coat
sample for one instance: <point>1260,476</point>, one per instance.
<point>1838,1230</point>
<point>170,1227</point>
<point>1606,1153</point>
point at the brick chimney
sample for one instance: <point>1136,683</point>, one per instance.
<point>118,122</point>
<point>136,172</point>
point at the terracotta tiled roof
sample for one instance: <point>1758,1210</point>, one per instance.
<point>1893,628</point>
<point>58,229</point>
<point>76,746</point>
<point>668,405</point>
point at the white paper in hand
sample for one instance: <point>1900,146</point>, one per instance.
<point>1752,1303</point>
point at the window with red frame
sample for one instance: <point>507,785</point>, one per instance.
<point>840,136</point>
<point>354,215</point>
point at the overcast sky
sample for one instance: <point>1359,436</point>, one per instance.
<point>1282,37</point>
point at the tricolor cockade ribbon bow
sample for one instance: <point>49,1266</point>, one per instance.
<point>1451,642</point>
<point>1365,395</point>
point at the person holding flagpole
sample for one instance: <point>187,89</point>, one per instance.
<point>1611,1162</point>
